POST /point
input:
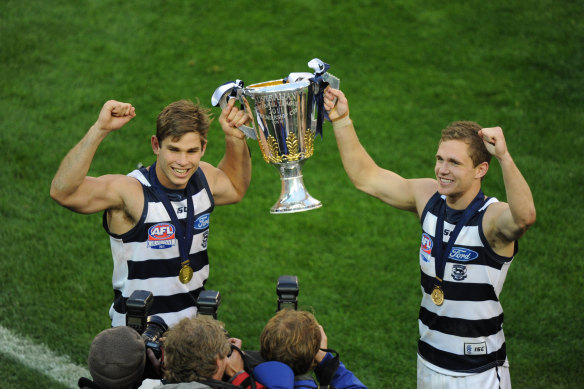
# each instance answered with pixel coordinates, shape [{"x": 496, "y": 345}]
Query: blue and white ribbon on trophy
[
  {"x": 319, "y": 68},
  {"x": 232, "y": 90}
]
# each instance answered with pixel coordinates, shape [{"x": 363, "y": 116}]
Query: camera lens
[{"x": 155, "y": 328}]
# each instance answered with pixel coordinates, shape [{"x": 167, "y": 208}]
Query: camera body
[
  {"x": 208, "y": 302},
  {"x": 150, "y": 327},
  {"x": 287, "y": 290}
]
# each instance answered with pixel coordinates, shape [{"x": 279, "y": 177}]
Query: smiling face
[
  {"x": 177, "y": 159},
  {"x": 456, "y": 174}
]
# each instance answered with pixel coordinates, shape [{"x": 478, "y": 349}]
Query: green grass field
[{"x": 408, "y": 68}]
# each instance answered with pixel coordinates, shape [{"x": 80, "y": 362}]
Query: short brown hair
[
  {"x": 291, "y": 337},
  {"x": 468, "y": 132},
  {"x": 191, "y": 348},
  {"x": 181, "y": 117}
]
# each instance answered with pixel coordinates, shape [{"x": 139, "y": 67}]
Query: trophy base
[{"x": 294, "y": 196}]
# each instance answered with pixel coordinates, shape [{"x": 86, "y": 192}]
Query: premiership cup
[{"x": 286, "y": 115}]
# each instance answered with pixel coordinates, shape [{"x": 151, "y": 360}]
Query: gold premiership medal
[
  {"x": 437, "y": 295},
  {"x": 185, "y": 274}
]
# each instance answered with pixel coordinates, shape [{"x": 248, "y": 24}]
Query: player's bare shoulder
[
  {"x": 207, "y": 168},
  {"x": 125, "y": 216},
  {"x": 212, "y": 174},
  {"x": 497, "y": 228},
  {"x": 492, "y": 215},
  {"x": 423, "y": 189}
]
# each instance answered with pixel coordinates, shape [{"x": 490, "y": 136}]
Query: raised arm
[
  {"x": 507, "y": 222},
  {"x": 71, "y": 187},
  {"x": 366, "y": 175},
  {"x": 230, "y": 179}
]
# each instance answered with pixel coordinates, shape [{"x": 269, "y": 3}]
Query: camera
[
  {"x": 287, "y": 290},
  {"x": 150, "y": 327},
  {"x": 208, "y": 302}
]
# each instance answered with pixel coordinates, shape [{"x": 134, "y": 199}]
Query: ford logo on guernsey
[
  {"x": 161, "y": 236},
  {"x": 202, "y": 222},
  {"x": 462, "y": 254}
]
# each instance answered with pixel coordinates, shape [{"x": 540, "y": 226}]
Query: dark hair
[
  {"x": 291, "y": 337},
  {"x": 468, "y": 132},
  {"x": 181, "y": 117}
]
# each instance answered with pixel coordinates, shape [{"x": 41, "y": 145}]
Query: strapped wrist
[
  {"x": 341, "y": 117},
  {"x": 342, "y": 120}
]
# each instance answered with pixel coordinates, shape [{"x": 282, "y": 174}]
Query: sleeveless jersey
[
  {"x": 147, "y": 257},
  {"x": 465, "y": 333}
]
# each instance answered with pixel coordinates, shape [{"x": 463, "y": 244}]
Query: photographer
[
  {"x": 197, "y": 351},
  {"x": 116, "y": 360},
  {"x": 293, "y": 340}
]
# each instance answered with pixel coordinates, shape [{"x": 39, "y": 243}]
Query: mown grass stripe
[{"x": 39, "y": 357}]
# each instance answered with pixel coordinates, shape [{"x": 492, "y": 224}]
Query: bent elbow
[
  {"x": 366, "y": 188},
  {"x": 530, "y": 219},
  {"x": 238, "y": 198},
  {"x": 527, "y": 220},
  {"x": 61, "y": 196},
  {"x": 229, "y": 199},
  {"x": 360, "y": 183},
  {"x": 359, "y": 186},
  {"x": 57, "y": 194}
]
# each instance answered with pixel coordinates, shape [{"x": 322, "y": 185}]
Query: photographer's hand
[
  {"x": 323, "y": 345},
  {"x": 235, "y": 360},
  {"x": 156, "y": 363}
]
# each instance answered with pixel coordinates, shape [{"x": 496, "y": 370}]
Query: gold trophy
[{"x": 286, "y": 115}]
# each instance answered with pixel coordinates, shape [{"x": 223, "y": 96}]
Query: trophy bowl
[
  {"x": 282, "y": 121},
  {"x": 286, "y": 115}
]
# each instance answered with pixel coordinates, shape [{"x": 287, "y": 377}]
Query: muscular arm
[
  {"x": 71, "y": 187},
  {"x": 365, "y": 174},
  {"x": 507, "y": 222},
  {"x": 230, "y": 179}
]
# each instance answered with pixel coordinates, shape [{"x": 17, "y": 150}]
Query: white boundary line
[{"x": 39, "y": 357}]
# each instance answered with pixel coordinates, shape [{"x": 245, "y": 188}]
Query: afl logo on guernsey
[
  {"x": 426, "y": 248},
  {"x": 161, "y": 236},
  {"x": 202, "y": 222},
  {"x": 426, "y": 243}
]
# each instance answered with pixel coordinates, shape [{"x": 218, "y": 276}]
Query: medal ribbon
[
  {"x": 185, "y": 238},
  {"x": 441, "y": 257}
]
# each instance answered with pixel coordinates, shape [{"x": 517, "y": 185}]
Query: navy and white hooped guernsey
[
  {"x": 464, "y": 335},
  {"x": 147, "y": 257}
]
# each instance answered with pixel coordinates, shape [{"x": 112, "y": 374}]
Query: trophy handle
[{"x": 233, "y": 91}]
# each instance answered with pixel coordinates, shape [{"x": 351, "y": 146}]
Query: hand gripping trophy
[{"x": 286, "y": 116}]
